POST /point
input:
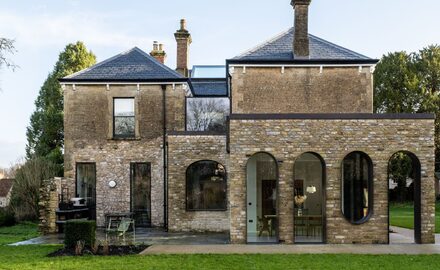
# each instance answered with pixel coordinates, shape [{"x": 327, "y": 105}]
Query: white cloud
[{"x": 47, "y": 29}]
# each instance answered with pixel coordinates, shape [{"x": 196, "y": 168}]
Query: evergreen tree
[{"x": 45, "y": 135}]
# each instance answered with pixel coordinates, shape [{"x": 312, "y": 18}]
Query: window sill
[
  {"x": 208, "y": 210},
  {"x": 124, "y": 139}
]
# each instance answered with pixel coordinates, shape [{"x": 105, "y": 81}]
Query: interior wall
[{"x": 309, "y": 168}]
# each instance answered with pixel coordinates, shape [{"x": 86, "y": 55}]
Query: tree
[
  {"x": 428, "y": 71},
  {"x": 26, "y": 189},
  {"x": 207, "y": 114},
  {"x": 400, "y": 170},
  {"x": 410, "y": 83},
  {"x": 45, "y": 135},
  {"x": 396, "y": 85}
]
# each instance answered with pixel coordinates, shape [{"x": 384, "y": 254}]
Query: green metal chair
[{"x": 121, "y": 229}]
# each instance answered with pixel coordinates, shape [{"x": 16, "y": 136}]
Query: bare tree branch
[
  {"x": 7, "y": 47},
  {"x": 207, "y": 114}
]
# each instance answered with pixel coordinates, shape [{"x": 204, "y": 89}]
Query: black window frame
[
  {"x": 124, "y": 136},
  {"x": 187, "y": 193},
  {"x": 370, "y": 182}
]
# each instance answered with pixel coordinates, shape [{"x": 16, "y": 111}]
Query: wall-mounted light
[
  {"x": 112, "y": 184},
  {"x": 311, "y": 189}
]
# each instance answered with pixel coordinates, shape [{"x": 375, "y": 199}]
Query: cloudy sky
[{"x": 220, "y": 30}]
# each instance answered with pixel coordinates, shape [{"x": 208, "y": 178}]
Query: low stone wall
[
  {"x": 287, "y": 139},
  {"x": 48, "y": 204},
  {"x": 184, "y": 150}
]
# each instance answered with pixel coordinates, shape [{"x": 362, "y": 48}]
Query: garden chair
[{"x": 121, "y": 229}]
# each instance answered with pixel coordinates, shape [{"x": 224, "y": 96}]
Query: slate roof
[
  {"x": 132, "y": 65},
  {"x": 280, "y": 48},
  {"x": 5, "y": 186},
  {"x": 209, "y": 87}
]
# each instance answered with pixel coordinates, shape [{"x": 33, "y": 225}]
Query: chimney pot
[
  {"x": 182, "y": 24},
  {"x": 301, "y": 44},
  {"x": 158, "y": 52}
]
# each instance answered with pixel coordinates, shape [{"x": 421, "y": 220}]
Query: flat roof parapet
[{"x": 333, "y": 116}]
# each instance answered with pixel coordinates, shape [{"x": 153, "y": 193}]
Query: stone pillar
[{"x": 49, "y": 191}]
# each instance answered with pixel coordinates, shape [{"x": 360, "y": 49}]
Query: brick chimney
[
  {"x": 158, "y": 52},
  {"x": 183, "y": 38},
  {"x": 301, "y": 48}
]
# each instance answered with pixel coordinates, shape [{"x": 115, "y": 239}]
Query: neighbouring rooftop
[{"x": 5, "y": 186}]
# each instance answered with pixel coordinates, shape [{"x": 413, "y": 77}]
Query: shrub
[
  {"x": 80, "y": 230},
  {"x": 7, "y": 218},
  {"x": 26, "y": 189}
]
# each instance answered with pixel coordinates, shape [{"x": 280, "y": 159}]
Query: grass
[
  {"x": 17, "y": 233},
  {"x": 34, "y": 257},
  {"x": 402, "y": 215}
]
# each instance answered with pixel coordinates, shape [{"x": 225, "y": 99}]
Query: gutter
[{"x": 165, "y": 158}]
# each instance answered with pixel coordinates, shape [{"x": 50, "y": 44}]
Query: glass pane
[
  {"x": 86, "y": 185},
  {"x": 124, "y": 106},
  {"x": 308, "y": 200},
  {"x": 208, "y": 72},
  {"x": 262, "y": 219},
  {"x": 355, "y": 199},
  {"x": 141, "y": 193},
  {"x": 125, "y": 126},
  {"x": 206, "y": 186},
  {"x": 207, "y": 114}
]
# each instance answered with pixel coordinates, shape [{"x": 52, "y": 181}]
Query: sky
[{"x": 220, "y": 30}]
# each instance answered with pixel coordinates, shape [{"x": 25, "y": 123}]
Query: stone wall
[
  {"x": 302, "y": 90},
  {"x": 88, "y": 125},
  {"x": 287, "y": 139},
  {"x": 48, "y": 204},
  {"x": 184, "y": 150}
]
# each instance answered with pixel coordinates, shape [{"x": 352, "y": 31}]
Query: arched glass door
[
  {"x": 309, "y": 199},
  {"x": 262, "y": 213}
]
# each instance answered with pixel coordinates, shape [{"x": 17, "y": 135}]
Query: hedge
[
  {"x": 7, "y": 218},
  {"x": 79, "y": 230}
]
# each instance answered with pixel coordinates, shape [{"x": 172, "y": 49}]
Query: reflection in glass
[
  {"x": 124, "y": 118},
  {"x": 309, "y": 199},
  {"x": 141, "y": 193},
  {"x": 357, "y": 175},
  {"x": 262, "y": 215},
  {"x": 86, "y": 185},
  {"x": 206, "y": 186}
]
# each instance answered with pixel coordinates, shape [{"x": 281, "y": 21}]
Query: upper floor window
[
  {"x": 357, "y": 187},
  {"x": 207, "y": 114},
  {"x": 123, "y": 118}
]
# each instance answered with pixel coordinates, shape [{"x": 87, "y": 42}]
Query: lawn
[
  {"x": 402, "y": 215},
  {"x": 34, "y": 257},
  {"x": 18, "y": 233}
]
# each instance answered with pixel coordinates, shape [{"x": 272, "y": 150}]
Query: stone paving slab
[{"x": 408, "y": 249}]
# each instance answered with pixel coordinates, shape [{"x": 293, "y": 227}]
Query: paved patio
[
  {"x": 144, "y": 236},
  {"x": 192, "y": 243}
]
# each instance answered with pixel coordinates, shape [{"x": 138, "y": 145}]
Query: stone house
[
  {"x": 302, "y": 159},
  {"x": 5, "y": 191}
]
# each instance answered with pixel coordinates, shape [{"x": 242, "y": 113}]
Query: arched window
[
  {"x": 206, "y": 186},
  {"x": 357, "y": 187}
]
